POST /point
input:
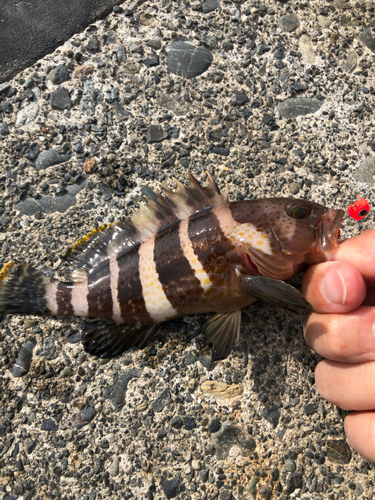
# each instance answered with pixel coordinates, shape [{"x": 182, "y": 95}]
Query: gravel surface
[{"x": 273, "y": 98}]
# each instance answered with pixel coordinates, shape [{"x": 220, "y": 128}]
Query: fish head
[{"x": 284, "y": 235}]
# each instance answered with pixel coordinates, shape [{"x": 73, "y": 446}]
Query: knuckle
[{"x": 339, "y": 345}]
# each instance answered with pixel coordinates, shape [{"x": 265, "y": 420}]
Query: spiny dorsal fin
[{"x": 99, "y": 245}]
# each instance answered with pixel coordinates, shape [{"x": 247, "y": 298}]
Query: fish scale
[{"x": 189, "y": 252}]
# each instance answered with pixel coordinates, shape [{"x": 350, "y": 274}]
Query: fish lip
[{"x": 328, "y": 230}]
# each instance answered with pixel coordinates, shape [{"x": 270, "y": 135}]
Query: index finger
[{"x": 360, "y": 252}]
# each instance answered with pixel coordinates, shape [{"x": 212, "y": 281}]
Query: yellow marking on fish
[
  {"x": 5, "y": 270},
  {"x": 191, "y": 257},
  {"x": 245, "y": 232},
  {"x": 84, "y": 239}
]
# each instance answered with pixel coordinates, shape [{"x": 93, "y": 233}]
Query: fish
[{"x": 187, "y": 251}]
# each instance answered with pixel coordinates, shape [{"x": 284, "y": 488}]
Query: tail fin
[{"x": 23, "y": 289}]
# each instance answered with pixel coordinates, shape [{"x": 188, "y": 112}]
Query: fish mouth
[{"x": 328, "y": 231}]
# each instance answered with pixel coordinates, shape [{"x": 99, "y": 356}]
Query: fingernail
[{"x": 333, "y": 287}]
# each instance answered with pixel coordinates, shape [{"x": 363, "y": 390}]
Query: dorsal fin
[{"x": 100, "y": 244}]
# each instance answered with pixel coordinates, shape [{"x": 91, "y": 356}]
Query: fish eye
[{"x": 297, "y": 209}]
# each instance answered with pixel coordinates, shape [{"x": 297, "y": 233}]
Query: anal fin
[
  {"x": 110, "y": 340},
  {"x": 222, "y": 331}
]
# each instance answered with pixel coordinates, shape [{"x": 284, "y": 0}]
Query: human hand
[{"x": 342, "y": 330}]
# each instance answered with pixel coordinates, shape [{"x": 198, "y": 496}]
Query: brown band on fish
[
  {"x": 210, "y": 244},
  {"x": 129, "y": 289},
  {"x": 99, "y": 296},
  {"x": 64, "y": 300},
  {"x": 176, "y": 274}
]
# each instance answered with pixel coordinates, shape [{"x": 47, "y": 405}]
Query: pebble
[
  {"x": 187, "y": 60},
  {"x": 114, "y": 467},
  {"x": 116, "y": 392},
  {"x": 203, "y": 475},
  {"x": 29, "y": 445},
  {"x": 221, "y": 390},
  {"x": 89, "y": 165},
  {"x": 4, "y": 130},
  {"x": 49, "y": 425},
  {"x": 50, "y": 157},
  {"x": 293, "y": 188},
  {"x": 289, "y": 23},
  {"x": 338, "y": 451},
  {"x": 28, "y": 114},
  {"x": 324, "y": 21},
  {"x": 24, "y": 358},
  {"x": 163, "y": 400},
  {"x": 155, "y": 133},
  {"x": 32, "y": 151},
  {"x": 60, "y": 99},
  {"x": 299, "y": 106},
  {"x": 251, "y": 487},
  {"x": 272, "y": 415},
  {"x": 307, "y": 49},
  {"x": 217, "y": 150},
  {"x": 294, "y": 482},
  {"x": 228, "y": 436},
  {"x": 209, "y": 6},
  {"x": 214, "y": 426},
  {"x": 350, "y": 63},
  {"x": 59, "y": 75},
  {"x": 177, "y": 422},
  {"x": 84, "y": 72},
  {"x": 172, "y": 487},
  {"x": 86, "y": 416}
]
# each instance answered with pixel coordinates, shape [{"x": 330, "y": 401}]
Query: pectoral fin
[
  {"x": 275, "y": 291},
  {"x": 222, "y": 331},
  {"x": 110, "y": 340}
]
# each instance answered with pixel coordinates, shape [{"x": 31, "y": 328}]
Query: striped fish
[{"x": 190, "y": 251}]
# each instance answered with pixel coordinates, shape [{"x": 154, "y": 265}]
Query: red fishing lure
[{"x": 359, "y": 209}]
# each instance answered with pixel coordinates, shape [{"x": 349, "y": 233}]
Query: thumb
[{"x": 334, "y": 287}]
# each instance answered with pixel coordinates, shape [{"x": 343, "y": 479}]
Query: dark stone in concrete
[
  {"x": 289, "y": 22},
  {"x": 152, "y": 61},
  {"x": 50, "y": 204},
  {"x": 59, "y": 75},
  {"x": 60, "y": 99},
  {"x": 172, "y": 487},
  {"x": 294, "y": 482},
  {"x": 50, "y": 157},
  {"x": 72, "y": 336},
  {"x": 338, "y": 451},
  {"x": 155, "y": 133},
  {"x": 272, "y": 415},
  {"x": 33, "y": 29},
  {"x": 217, "y": 150},
  {"x": 4, "y": 130},
  {"x": 23, "y": 361},
  {"x": 209, "y": 6},
  {"x": 87, "y": 414},
  {"x": 177, "y": 422},
  {"x": 187, "y": 60},
  {"x": 227, "y": 437},
  {"x": 162, "y": 401},
  {"x": 368, "y": 39},
  {"x": 32, "y": 151},
  {"x": 241, "y": 98},
  {"x": 116, "y": 392},
  {"x": 49, "y": 425},
  {"x": 300, "y": 106}
]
